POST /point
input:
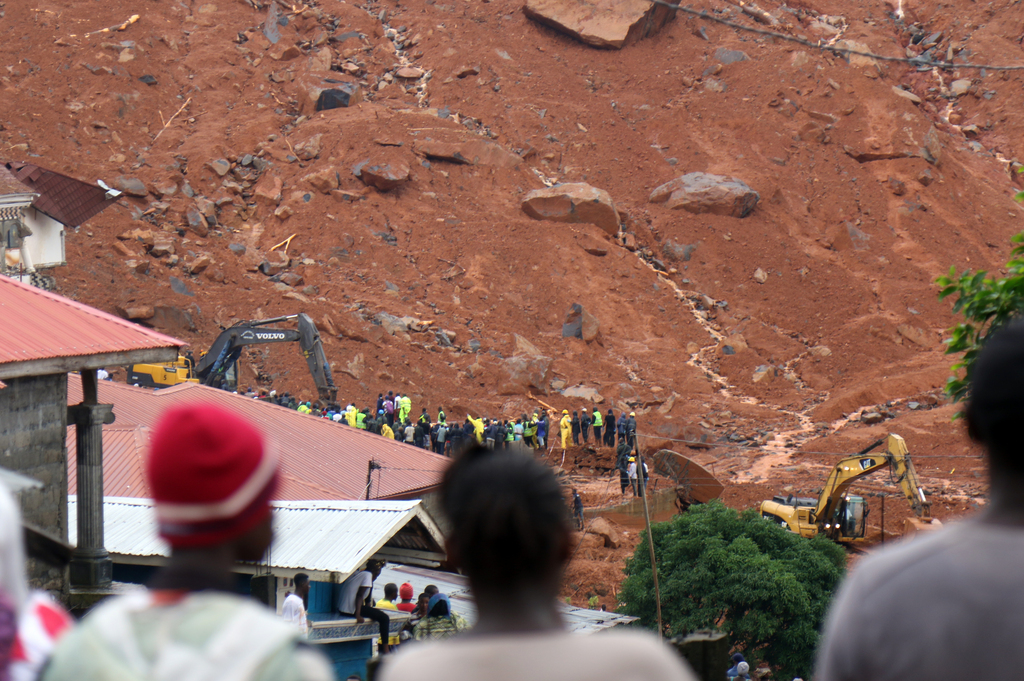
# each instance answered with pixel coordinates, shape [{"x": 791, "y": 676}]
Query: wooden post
[
  {"x": 641, "y": 480},
  {"x": 883, "y": 518}
]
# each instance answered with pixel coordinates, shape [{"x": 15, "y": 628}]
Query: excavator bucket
[
  {"x": 694, "y": 483},
  {"x": 915, "y": 525}
]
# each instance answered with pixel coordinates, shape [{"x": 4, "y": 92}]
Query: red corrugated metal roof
[
  {"x": 124, "y": 449},
  {"x": 63, "y": 198},
  {"x": 320, "y": 459},
  {"x": 36, "y": 324}
]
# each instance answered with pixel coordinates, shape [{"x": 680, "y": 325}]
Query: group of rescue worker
[{"x": 391, "y": 418}]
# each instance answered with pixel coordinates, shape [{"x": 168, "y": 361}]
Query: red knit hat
[
  {"x": 210, "y": 475},
  {"x": 405, "y": 591}
]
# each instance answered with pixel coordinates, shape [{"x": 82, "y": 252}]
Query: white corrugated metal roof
[
  {"x": 312, "y": 536},
  {"x": 578, "y": 620}
]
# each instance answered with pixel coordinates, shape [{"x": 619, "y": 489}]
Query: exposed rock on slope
[
  {"x": 602, "y": 23},
  {"x": 706, "y": 193},
  {"x": 574, "y": 203}
]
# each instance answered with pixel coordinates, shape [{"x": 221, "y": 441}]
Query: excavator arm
[
  {"x": 316, "y": 358},
  {"x": 906, "y": 477},
  {"x": 852, "y": 468},
  {"x": 226, "y": 349}
]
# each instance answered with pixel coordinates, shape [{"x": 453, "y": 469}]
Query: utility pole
[
  {"x": 371, "y": 466},
  {"x": 642, "y": 483}
]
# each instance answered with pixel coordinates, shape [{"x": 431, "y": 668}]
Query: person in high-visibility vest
[{"x": 598, "y": 423}]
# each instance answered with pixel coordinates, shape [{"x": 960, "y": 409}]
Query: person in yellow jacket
[
  {"x": 478, "y": 428},
  {"x": 350, "y": 416},
  {"x": 565, "y": 427},
  {"x": 405, "y": 407},
  {"x": 386, "y": 431}
]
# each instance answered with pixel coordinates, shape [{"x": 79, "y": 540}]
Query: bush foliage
[
  {"x": 765, "y": 587},
  {"x": 986, "y": 303}
]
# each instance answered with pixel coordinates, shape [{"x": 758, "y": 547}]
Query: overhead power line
[
  {"x": 794, "y": 450},
  {"x": 842, "y": 51}
]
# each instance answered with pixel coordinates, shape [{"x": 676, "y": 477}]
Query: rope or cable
[
  {"x": 762, "y": 448},
  {"x": 914, "y": 61}
]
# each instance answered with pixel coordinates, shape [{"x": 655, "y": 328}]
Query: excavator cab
[{"x": 850, "y": 519}]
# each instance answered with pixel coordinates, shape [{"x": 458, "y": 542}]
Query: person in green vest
[
  {"x": 530, "y": 432},
  {"x": 510, "y": 434},
  {"x": 361, "y": 420},
  {"x": 597, "y": 423},
  {"x": 405, "y": 404}
]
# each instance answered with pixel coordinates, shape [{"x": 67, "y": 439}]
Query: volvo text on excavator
[
  {"x": 218, "y": 367},
  {"x": 843, "y": 517}
]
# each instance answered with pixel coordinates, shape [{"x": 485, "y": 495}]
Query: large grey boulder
[{"x": 707, "y": 193}]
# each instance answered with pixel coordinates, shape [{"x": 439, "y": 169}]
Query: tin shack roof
[
  {"x": 44, "y": 333},
  {"x": 325, "y": 539},
  {"x": 456, "y": 586},
  {"x": 320, "y": 459}
]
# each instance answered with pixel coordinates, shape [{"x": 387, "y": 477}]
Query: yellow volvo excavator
[
  {"x": 843, "y": 517},
  {"x": 218, "y": 367}
]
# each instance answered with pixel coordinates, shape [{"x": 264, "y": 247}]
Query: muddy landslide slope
[{"x": 821, "y": 302}]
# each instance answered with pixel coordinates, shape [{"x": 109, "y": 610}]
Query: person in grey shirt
[{"x": 948, "y": 605}]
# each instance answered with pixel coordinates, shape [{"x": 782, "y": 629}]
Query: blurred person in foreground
[
  {"x": 212, "y": 479},
  {"x": 31, "y": 622},
  {"x": 510, "y": 533},
  {"x": 948, "y": 605}
]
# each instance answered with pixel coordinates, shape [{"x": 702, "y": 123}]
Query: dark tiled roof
[
  {"x": 9, "y": 184},
  {"x": 63, "y": 198}
]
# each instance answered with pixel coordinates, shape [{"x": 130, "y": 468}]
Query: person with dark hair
[
  {"x": 420, "y": 611},
  {"x": 293, "y": 610},
  {"x": 354, "y": 600},
  {"x": 577, "y": 509},
  {"x": 510, "y": 534},
  {"x": 948, "y": 604},
  {"x": 585, "y": 426},
  {"x": 622, "y": 465},
  {"x": 390, "y": 596},
  {"x": 575, "y": 424},
  {"x": 736, "y": 671},
  {"x": 609, "y": 429},
  {"x": 211, "y": 478}
]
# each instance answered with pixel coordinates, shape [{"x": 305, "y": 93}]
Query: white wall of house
[{"x": 46, "y": 245}]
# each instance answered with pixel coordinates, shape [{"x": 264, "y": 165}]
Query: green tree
[
  {"x": 765, "y": 587},
  {"x": 986, "y": 304}
]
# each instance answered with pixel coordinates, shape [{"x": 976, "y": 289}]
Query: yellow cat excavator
[{"x": 842, "y": 517}]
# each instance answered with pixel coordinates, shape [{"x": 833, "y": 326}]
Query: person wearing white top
[{"x": 294, "y": 609}]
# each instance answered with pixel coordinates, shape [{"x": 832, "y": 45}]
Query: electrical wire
[
  {"x": 714, "y": 445},
  {"x": 842, "y": 51}
]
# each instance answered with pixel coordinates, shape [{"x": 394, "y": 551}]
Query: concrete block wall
[{"x": 33, "y": 427}]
